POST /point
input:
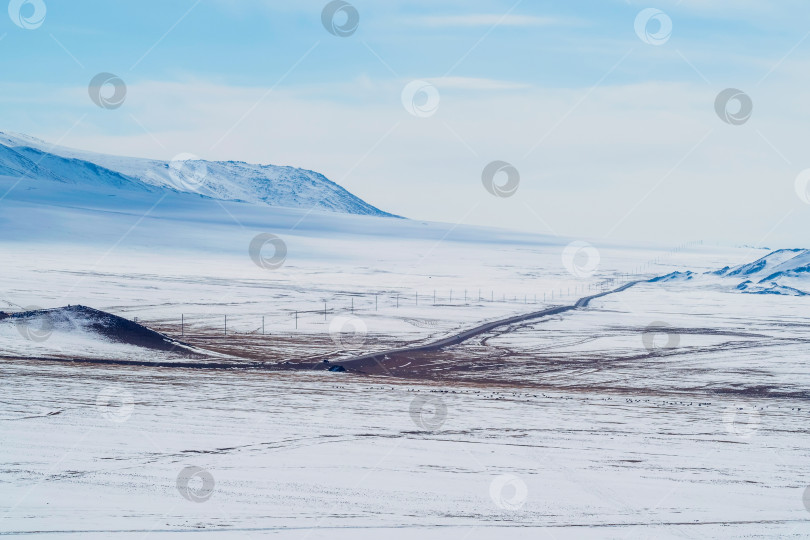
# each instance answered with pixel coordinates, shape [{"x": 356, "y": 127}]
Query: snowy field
[
  {"x": 99, "y": 454},
  {"x": 689, "y": 337},
  {"x": 579, "y": 426},
  {"x": 676, "y": 408}
]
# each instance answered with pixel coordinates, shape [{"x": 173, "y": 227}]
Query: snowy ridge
[
  {"x": 784, "y": 271},
  {"x": 34, "y": 163},
  {"x": 780, "y": 272},
  {"x": 674, "y": 276},
  {"x": 265, "y": 185},
  {"x": 768, "y": 263}
]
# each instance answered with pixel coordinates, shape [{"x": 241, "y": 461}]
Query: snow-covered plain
[
  {"x": 672, "y": 409},
  {"x": 302, "y": 456}
]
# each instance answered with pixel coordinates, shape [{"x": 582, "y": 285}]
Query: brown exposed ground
[{"x": 477, "y": 356}]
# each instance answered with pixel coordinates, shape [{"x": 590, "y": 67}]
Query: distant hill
[
  {"x": 266, "y": 185},
  {"x": 784, "y": 271}
]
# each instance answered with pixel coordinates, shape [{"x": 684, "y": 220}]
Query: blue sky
[
  {"x": 613, "y": 137},
  {"x": 253, "y": 42}
]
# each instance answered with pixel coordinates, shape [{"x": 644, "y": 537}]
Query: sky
[{"x": 604, "y": 111}]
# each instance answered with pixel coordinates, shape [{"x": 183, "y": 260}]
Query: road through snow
[{"x": 366, "y": 359}]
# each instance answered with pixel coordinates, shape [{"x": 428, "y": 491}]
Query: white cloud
[
  {"x": 473, "y": 83},
  {"x": 481, "y": 19}
]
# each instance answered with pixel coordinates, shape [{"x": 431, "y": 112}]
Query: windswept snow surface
[{"x": 98, "y": 453}]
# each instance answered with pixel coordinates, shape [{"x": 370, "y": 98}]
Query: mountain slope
[
  {"x": 265, "y": 185},
  {"x": 765, "y": 264},
  {"x": 33, "y": 163},
  {"x": 784, "y": 271}
]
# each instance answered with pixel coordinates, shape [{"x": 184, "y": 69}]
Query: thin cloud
[
  {"x": 482, "y": 19},
  {"x": 473, "y": 83}
]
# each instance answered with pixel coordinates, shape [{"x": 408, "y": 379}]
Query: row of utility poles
[
  {"x": 600, "y": 286},
  {"x": 526, "y": 300}
]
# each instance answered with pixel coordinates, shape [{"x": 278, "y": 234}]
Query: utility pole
[
  {"x": 182, "y": 325},
  {"x": 262, "y": 324},
  {"x": 226, "y": 325}
]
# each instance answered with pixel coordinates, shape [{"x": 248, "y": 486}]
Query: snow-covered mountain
[
  {"x": 266, "y": 185},
  {"x": 784, "y": 271}
]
